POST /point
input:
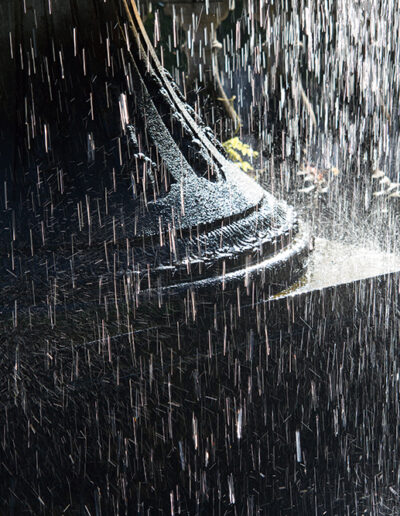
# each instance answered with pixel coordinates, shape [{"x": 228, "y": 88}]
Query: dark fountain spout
[{"x": 109, "y": 174}]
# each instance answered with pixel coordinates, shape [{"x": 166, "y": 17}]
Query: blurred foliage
[{"x": 238, "y": 152}]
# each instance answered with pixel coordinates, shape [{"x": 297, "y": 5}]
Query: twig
[{"x": 223, "y": 96}]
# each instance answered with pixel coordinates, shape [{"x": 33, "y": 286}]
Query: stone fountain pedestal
[{"x": 111, "y": 182}]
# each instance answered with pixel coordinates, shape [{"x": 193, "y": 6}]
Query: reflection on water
[{"x": 337, "y": 263}]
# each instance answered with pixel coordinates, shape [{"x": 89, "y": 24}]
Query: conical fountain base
[{"x": 114, "y": 189}]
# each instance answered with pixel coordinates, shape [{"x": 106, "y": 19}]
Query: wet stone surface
[{"x": 104, "y": 197}]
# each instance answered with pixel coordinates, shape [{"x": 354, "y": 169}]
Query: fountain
[
  {"x": 162, "y": 349},
  {"x": 106, "y": 162}
]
